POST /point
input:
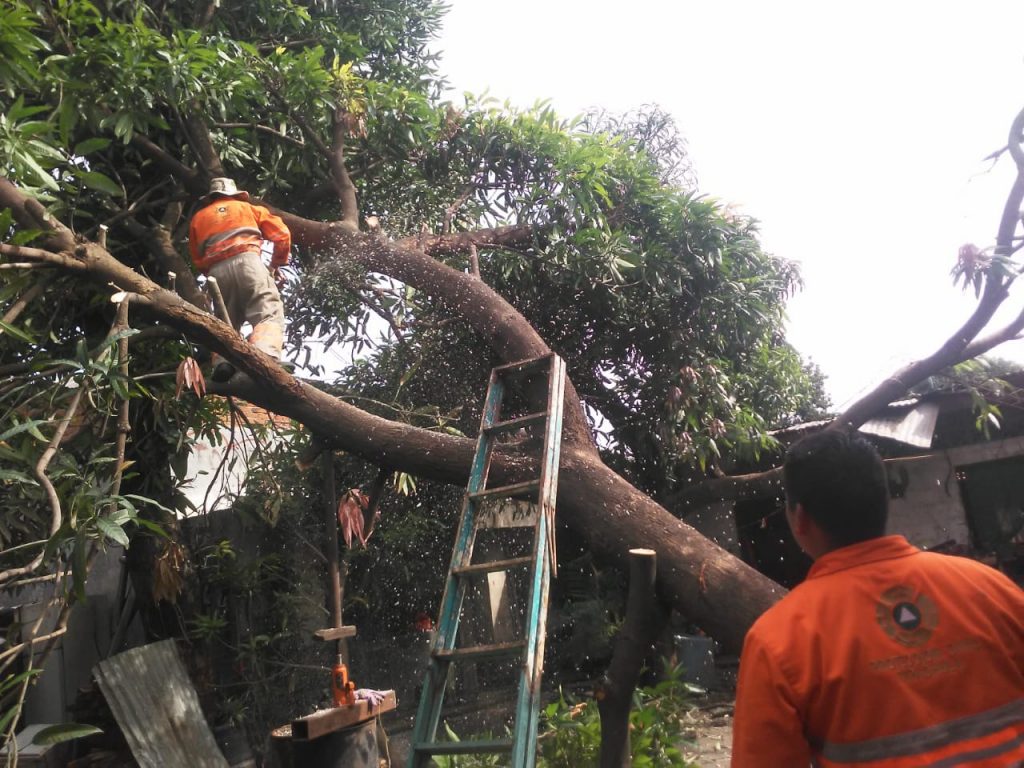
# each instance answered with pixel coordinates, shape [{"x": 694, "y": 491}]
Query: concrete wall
[
  {"x": 931, "y": 511},
  {"x": 87, "y": 640}
]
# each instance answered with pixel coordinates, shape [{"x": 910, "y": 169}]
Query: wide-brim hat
[{"x": 224, "y": 187}]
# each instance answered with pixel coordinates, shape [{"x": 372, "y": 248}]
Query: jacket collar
[{"x": 862, "y": 553}]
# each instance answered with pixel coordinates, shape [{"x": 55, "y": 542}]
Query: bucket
[
  {"x": 354, "y": 747},
  {"x": 696, "y": 654}
]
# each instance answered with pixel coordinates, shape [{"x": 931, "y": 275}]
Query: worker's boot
[{"x": 222, "y": 369}]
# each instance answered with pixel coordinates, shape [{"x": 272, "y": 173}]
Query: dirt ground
[{"x": 711, "y": 735}]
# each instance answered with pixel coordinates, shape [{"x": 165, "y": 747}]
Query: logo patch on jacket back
[{"x": 907, "y": 617}]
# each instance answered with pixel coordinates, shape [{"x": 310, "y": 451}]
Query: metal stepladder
[{"x": 540, "y": 565}]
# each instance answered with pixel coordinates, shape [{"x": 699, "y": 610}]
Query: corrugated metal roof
[
  {"x": 908, "y": 421},
  {"x": 155, "y": 704},
  {"x": 912, "y": 426}
]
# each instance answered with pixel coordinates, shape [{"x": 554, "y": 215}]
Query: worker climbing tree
[{"x": 225, "y": 240}]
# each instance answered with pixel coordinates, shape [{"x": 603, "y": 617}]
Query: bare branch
[
  {"x": 25, "y": 265},
  {"x": 24, "y": 252},
  {"x": 200, "y": 140},
  {"x": 497, "y": 237},
  {"x": 33, "y": 293},
  {"x": 190, "y": 177},
  {"x": 30, "y": 214},
  {"x": 956, "y": 348},
  {"x": 346, "y": 189},
  {"x": 266, "y": 130},
  {"x": 450, "y": 211},
  {"x": 51, "y": 493}
]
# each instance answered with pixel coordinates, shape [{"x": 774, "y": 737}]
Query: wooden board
[
  {"x": 330, "y": 720},
  {"x": 155, "y": 703},
  {"x": 335, "y": 633}
]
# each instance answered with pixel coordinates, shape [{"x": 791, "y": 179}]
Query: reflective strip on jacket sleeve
[{"x": 990, "y": 739}]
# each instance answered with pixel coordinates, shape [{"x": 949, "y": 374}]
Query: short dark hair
[{"x": 839, "y": 479}]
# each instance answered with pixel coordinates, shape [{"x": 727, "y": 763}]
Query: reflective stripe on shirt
[
  {"x": 934, "y": 737},
  {"x": 229, "y": 233}
]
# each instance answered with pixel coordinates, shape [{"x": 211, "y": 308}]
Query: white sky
[{"x": 853, "y": 131}]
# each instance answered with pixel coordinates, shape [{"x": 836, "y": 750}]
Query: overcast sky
[{"x": 854, "y": 132}]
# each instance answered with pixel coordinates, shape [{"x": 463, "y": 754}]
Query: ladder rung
[
  {"x": 542, "y": 363},
  {"x": 491, "y": 567},
  {"x": 480, "y": 651},
  {"x": 515, "y": 490},
  {"x": 513, "y": 424},
  {"x": 476, "y": 747}
]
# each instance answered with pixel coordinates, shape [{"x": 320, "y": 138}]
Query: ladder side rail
[
  {"x": 548, "y": 493},
  {"x": 428, "y": 714},
  {"x": 527, "y": 699},
  {"x": 533, "y": 714},
  {"x": 524, "y": 749}
]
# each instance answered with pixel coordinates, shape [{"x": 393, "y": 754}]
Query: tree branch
[
  {"x": 33, "y": 293},
  {"x": 496, "y": 237},
  {"x": 503, "y": 328},
  {"x": 346, "y": 189},
  {"x": 199, "y": 138},
  {"x": 266, "y": 130},
  {"x": 51, "y": 493},
  {"x": 191, "y": 178}
]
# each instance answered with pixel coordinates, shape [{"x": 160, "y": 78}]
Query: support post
[{"x": 646, "y": 616}]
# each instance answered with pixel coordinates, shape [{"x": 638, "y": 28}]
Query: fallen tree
[{"x": 475, "y": 203}]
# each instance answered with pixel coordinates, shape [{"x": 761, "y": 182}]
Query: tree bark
[{"x": 646, "y": 616}]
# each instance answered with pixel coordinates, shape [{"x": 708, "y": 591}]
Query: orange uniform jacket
[
  {"x": 228, "y": 226},
  {"x": 886, "y": 657}
]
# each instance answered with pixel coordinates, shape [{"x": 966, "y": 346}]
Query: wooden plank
[
  {"x": 335, "y": 633},
  {"x": 494, "y": 565},
  {"x": 330, "y": 720},
  {"x": 533, "y": 365},
  {"x": 155, "y": 703},
  {"x": 528, "y": 488},
  {"x": 513, "y": 424}
]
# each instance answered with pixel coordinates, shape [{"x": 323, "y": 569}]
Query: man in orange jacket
[
  {"x": 886, "y": 656},
  {"x": 225, "y": 238}
]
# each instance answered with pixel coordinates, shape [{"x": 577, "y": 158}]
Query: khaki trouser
[{"x": 250, "y": 295}]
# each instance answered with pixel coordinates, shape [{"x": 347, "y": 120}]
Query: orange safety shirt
[
  {"x": 229, "y": 226},
  {"x": 885, "y": 657}
]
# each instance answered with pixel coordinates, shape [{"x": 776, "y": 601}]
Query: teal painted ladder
[{"x": 540, "y": 565}]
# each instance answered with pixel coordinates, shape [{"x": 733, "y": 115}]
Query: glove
[{"x": 372, "y": 696}]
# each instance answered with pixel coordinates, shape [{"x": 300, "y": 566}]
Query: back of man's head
[{"x": 839, "y": 479}]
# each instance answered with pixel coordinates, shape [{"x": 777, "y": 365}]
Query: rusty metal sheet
[{"x": 155, "y": 703}]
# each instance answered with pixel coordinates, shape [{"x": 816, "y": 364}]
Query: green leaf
[
  {"x": 17, "y": 333},
  {"x": 88, "y": 146},
  {"x": 112, "y": 530},
  {"x": 31, "y": 426},
  {"x": 13, "y": 476},
  {"x": 55, "y": 734},
  {"x": 99, "y": 182}
]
